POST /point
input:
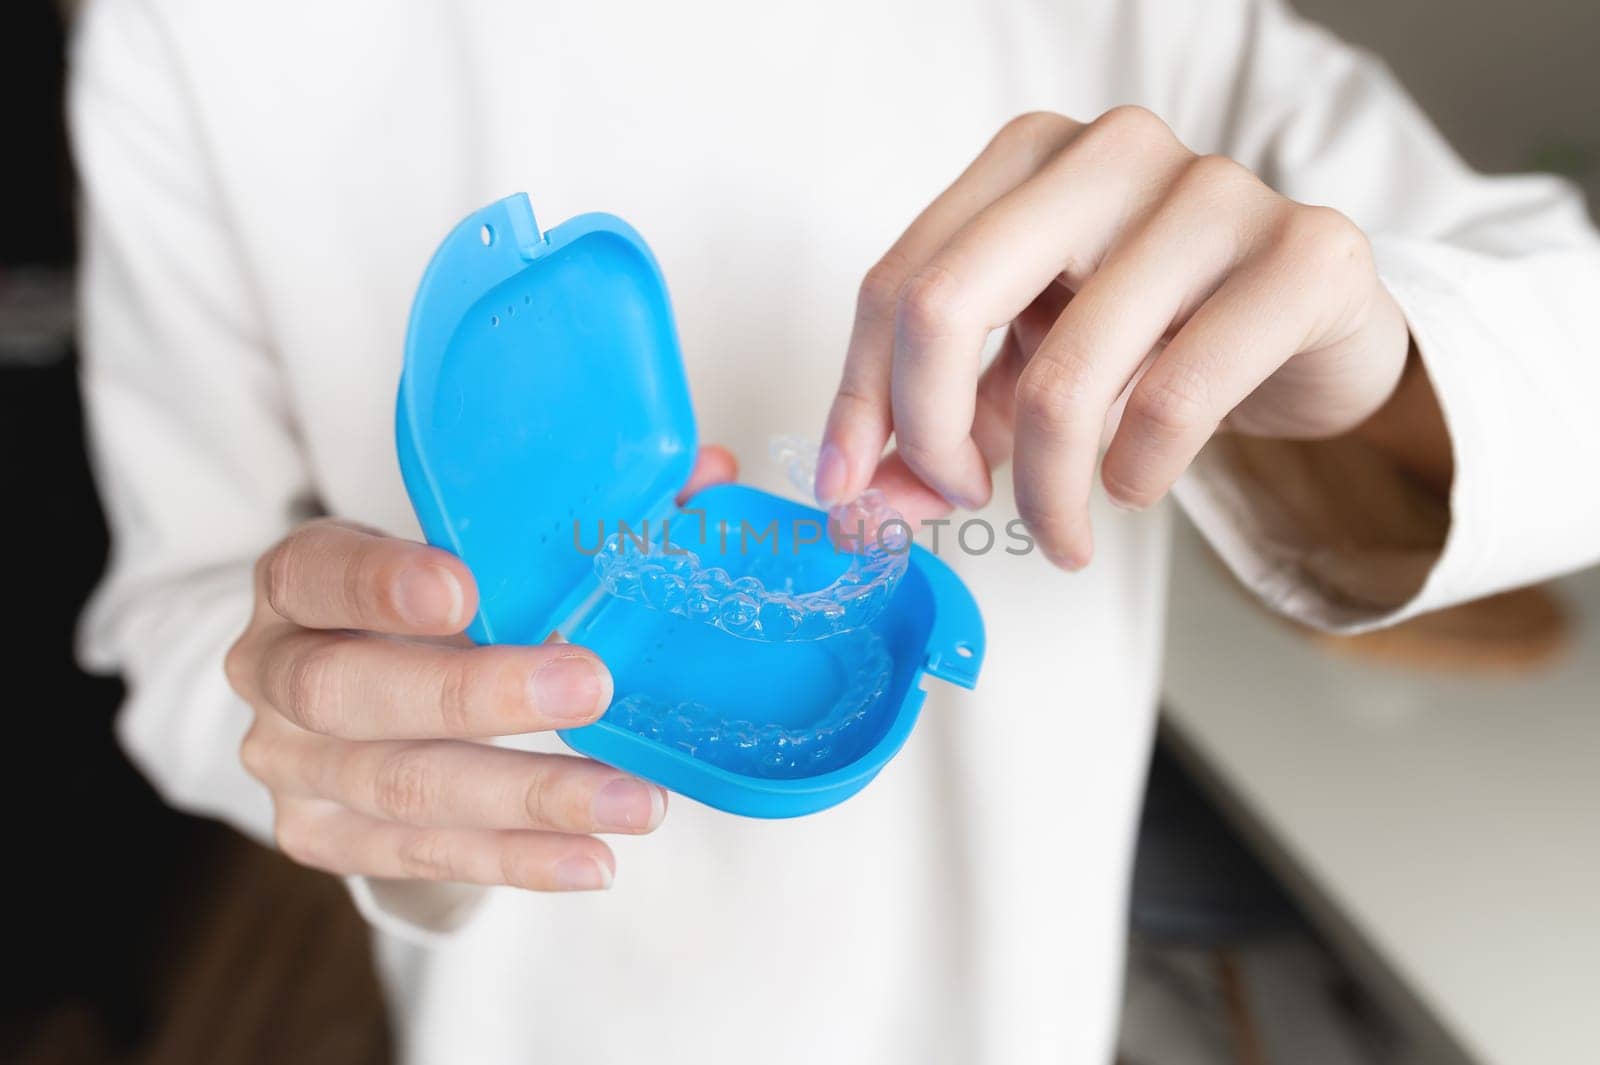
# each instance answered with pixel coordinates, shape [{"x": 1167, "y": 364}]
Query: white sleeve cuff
[
  {"x": 422, "y": 912},
  {"x": 1504, "y": 372}
]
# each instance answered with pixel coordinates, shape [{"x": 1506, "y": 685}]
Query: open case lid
[{"x": 542, "y": 387}]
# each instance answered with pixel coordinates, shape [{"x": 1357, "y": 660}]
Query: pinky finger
[{"x": 337, "y": 840}]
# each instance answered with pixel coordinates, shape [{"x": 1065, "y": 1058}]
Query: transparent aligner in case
[
  {"x": 760, "y": 600},
  {"x": 766, "y": 749}
]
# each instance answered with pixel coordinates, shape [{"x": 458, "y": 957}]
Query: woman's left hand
[{"x": 1094, "y": 244}]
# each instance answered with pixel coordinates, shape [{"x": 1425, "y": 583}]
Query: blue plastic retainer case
[{"x": 543, "y": 393}]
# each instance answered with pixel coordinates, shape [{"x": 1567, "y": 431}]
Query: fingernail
[
  {"x": 1071, "y": 561},
  {"x": 832, "y": 472},
  {"x": 572, "y": 688},
  {"x": 628, "y": 805},
  {"x": 581, "y": 874},
  {"x": 969, "y": 500},
  {"x": 428, "y": 596},
  {"x": 1126, "y": 508}
]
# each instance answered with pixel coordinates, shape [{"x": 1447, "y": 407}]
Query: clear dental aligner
[
  {"x": 866, "y": 529},
  {"x": 764, "y": 749}
]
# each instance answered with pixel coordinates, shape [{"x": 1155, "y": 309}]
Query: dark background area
[
  {"x": 111, "y": 856},
  {"x": 135, "y": 933}
]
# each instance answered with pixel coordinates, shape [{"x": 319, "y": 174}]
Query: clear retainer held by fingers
[
  {"x": 758, "y": 594},
  {"x": 544, "y": 394}
]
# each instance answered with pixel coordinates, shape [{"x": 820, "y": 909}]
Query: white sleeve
[
  {"x": 1498, "y": 278},
  {"x": 191, "y": 442},
  {"x": 192, "y": 437}
]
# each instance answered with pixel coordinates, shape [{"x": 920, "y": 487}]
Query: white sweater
[{"x": 264, "y": 183}]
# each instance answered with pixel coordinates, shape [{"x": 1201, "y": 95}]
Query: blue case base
[{"x": 930, "y": 627}]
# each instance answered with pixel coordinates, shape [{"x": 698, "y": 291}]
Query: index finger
[
  {"x": 334, "y": 575},
  {"x": 861, "y": 420}
]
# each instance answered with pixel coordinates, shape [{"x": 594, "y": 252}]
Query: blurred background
[{"x": 1387, "y": 852}]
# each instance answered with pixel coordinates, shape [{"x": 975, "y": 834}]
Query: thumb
[{"x": 714, "y": 465}]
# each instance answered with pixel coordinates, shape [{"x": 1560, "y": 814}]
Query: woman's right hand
[{"x": 366, "y": 720}]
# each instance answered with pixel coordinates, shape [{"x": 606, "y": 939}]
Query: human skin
[
  {"x": 1151, "y": 295},
  {"x": 371, "y": 712}
]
